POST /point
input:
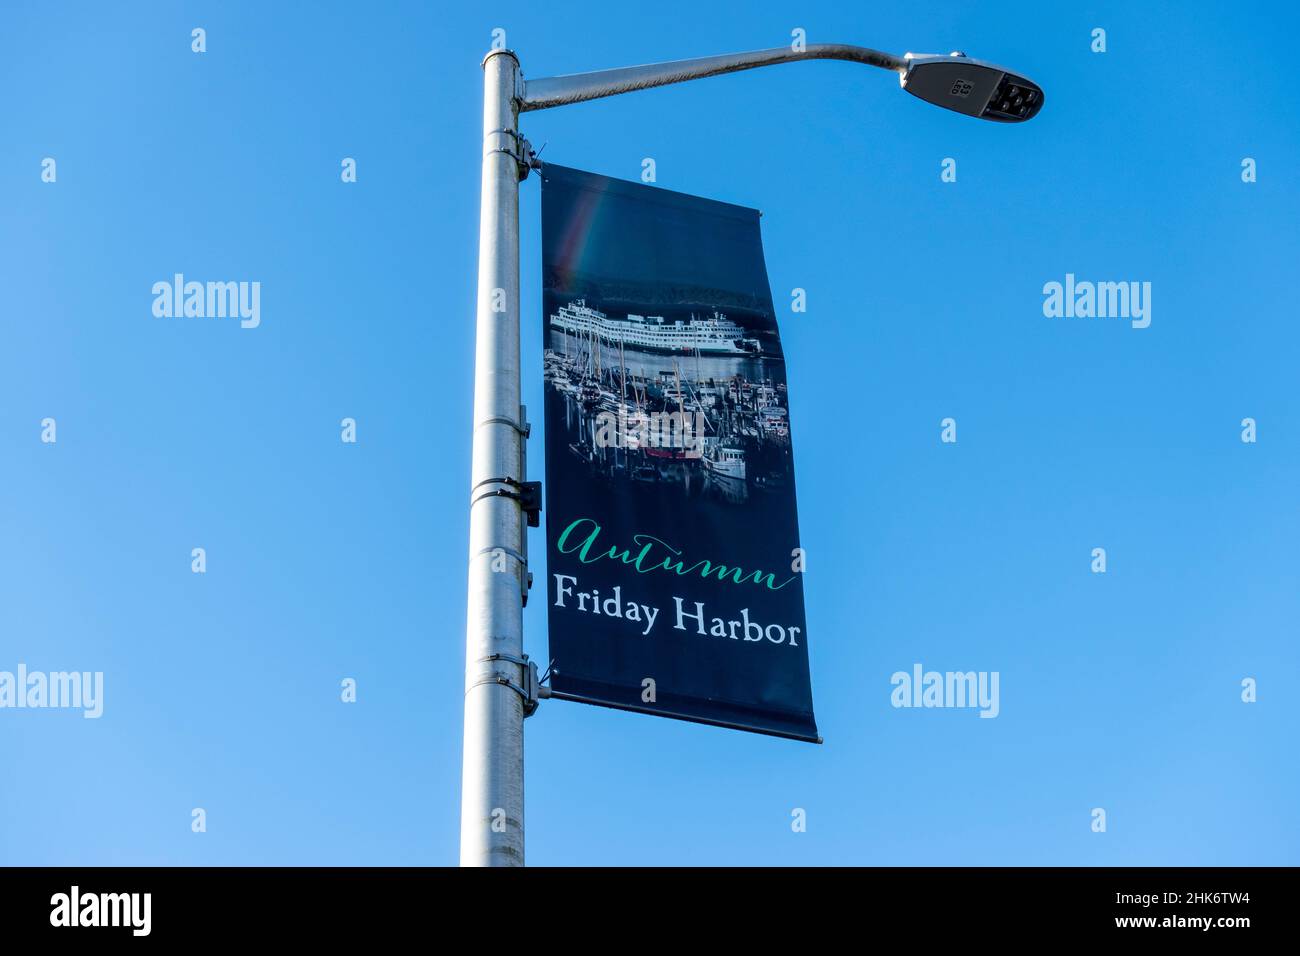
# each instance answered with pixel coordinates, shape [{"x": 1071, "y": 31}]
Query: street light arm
[{"x": 577, "y": 87}]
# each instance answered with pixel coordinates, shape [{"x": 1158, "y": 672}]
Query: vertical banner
[{"x": 674, "y": 580}]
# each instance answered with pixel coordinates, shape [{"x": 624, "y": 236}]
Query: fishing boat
[
  {"x": 774, "y": 423},
  {"x": 725, "y": 461}
]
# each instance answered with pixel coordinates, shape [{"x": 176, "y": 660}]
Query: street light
[
  {"x": 954, "y": 82},
  {"x": 973, "y": 87},
  {"x": 500, "y": 683}
]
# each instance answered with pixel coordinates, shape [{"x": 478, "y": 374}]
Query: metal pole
[{"x": 492, "y": 786}]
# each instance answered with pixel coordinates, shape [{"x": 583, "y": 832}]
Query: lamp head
[{"x": 973, "y": 87}]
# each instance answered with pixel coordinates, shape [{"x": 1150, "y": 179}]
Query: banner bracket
[
  {"x": 526, "y": 429},
  {"x": 529, "y": 496},
  {"x": 521, "y": 152},
  {"x": 533, "y": 689}
]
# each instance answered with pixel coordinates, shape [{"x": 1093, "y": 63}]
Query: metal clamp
[
  {"x": 525, "y": 579},
  {"x": 526, "y": 429},
  {"x": 494, "y": 548},
  {"x": 533, "y": 690},
  {"x": 522, "y": 152},
  {"x": 529, "y": 496}
]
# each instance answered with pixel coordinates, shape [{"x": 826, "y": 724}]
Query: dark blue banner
[{"x": 674, "y": 570}]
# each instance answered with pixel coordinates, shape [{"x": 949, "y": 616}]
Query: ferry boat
[{"x": 714, "y": 335}]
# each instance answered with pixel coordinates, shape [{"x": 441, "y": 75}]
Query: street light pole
[
  {"x": 499, "y": 688},
  {"x": 492, "y": 781}
]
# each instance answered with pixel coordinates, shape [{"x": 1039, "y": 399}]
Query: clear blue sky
[{"x": 328, "y": 560}]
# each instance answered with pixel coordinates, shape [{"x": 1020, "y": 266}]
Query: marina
[{"x": 693, "y": 402}]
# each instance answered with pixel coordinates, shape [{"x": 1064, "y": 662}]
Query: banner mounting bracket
[
  {"x": 526, "y": 429},
  {"x": 529, "y": 496},
  {"x": 521, "y": 152},
  {"x": 533, "y": 689}
]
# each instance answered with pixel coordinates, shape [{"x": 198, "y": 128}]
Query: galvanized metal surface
[
  {"x": 492, "y": 786},
  {"x": 576, "y": 87}
]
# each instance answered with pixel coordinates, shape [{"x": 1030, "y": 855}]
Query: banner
[{"x": 674, "y": 577}]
